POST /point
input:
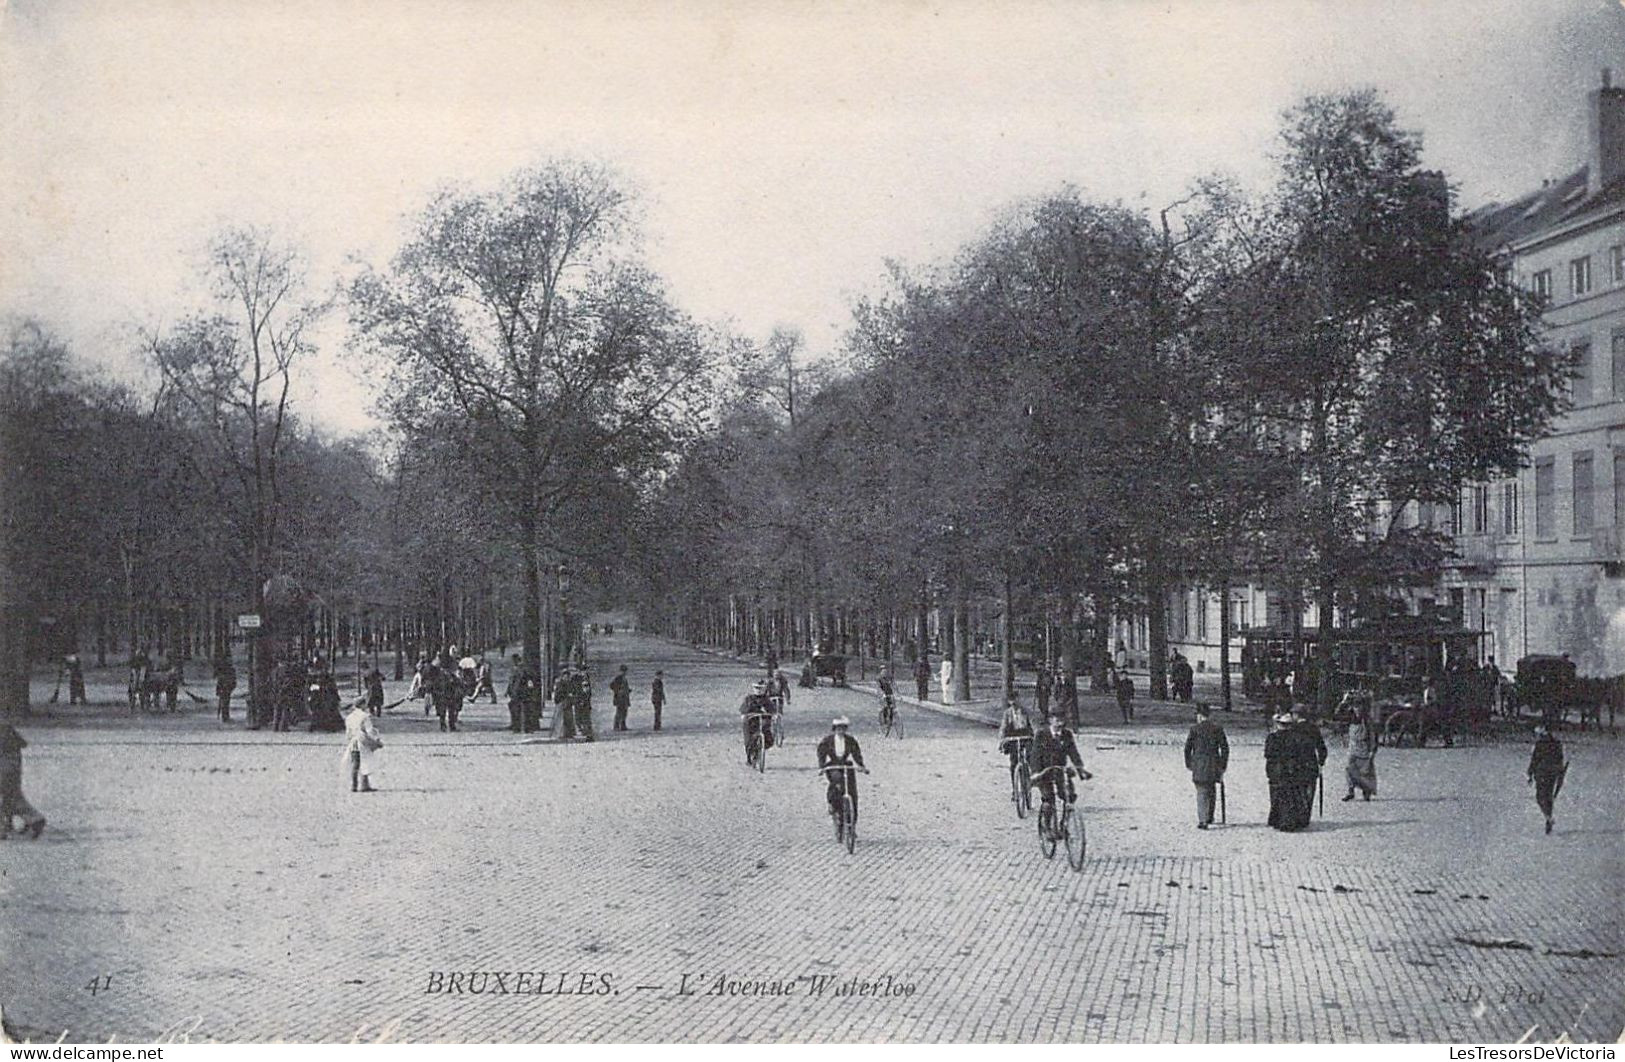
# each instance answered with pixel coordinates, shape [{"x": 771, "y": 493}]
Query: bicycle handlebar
[{"x": 843, "y": 767}]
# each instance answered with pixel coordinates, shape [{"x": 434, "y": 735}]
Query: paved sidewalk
[{"x": 225, "y": 885}]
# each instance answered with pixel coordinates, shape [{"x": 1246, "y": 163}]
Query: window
[
  {"x": 1545, "y": 497},
  {"x": 1201, "y": 617},
  {"x": 1455, "y": 516},
  {"x": 1619, "y": 490},
  {"x": 1616, "y": 264},
  {"x": 1509, "y": 507},
  {"x": 1580, "y": 384},
  {"x": 1618, "y": 367},
  {"x": 1580, "y": 276},
  {"x": 1582, "y": 492},
  {"x": 1481, "y": 509},
  {"x": 1543, "y": 283}
]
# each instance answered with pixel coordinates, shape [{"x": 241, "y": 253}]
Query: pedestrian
[
  {"x": 326, "y": 707},
  {"x": 374, "y": 680},
  {"x": 772, "y": 660},
  {"x": 225, "y": 681},
  {"x": 518, "y": 682},
  {"x": 1207, "y": 754},
  {"x": 140, "y": 679},
  {"x": 783, "y": 689},
  {"x": 12, "y": 802},
  {"x": 583, "y": 694},
  {"x": 172, "y": 681},
  {"x": 1362, "y": 742},
  {"x": 483, "y": 680},
  {"x": 1547, "y": 769},
  {"x": 1184, "y": 679},
  {"x": 620, "y": 696},
  {"x": 361, "y": 745},
  {"x": 564, "y": 702},
  {"x": 446, "y": 692},
  {"x": 946, "y": 672},
  {"x": 419, "y": 678},
  {"x": 1125, "y": 697},
  {"x": 1293, "y": 756},
  {"x": 76, "y": 681},
  {"x": 922, "y": 678},
  {"x": 1041, "y": 692},
  {"x": 657, "y": 693}
]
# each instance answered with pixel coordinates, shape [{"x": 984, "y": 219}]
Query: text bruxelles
[{"x": 519, "y": 983}]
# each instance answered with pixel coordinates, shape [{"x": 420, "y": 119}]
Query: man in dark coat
[
  {"x": 1041, "y": 692},
  {"x": 1124, "y": 688},
  {"x": 225, "y": 682},
  {"x": 564, "y": 702},
  {"x": 657, "y": 694},
  {"x": 583, "y": 702},
  {"x": 1207, "y": 754},
  {"x": 375, "y": 692},
  {"x": 620, "y": 692},
  {"x": 447, "y": 692},
  {"x": 12, "y": 802},
  {"x": 521, "y": 686},
  {"x": 1546, "y": 770},
  {"x": 1181, "y": 677}
]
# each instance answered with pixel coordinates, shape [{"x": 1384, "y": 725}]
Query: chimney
[{"x": 1607, "y": 129}]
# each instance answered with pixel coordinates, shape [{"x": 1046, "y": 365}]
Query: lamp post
[{"x": 571, "y": 644}]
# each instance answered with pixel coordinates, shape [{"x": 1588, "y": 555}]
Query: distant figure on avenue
[
  {"x": 326, "y": 707},
  {"x": 1207, "y": 754},
  {"x": 946, "y": 672},
  {"x": 225, "y": 683},
  {"x": 524, "y": 695},
  {"x": 922, "y": 677},
  {"x": 781, "y": 689},
  {"x": 752, "y": 716},
  {"x": 583, "y": 703},
  {"x": 446, "y": 693},
  {"x": 483, "y": 680},
  {"x": 564, "y": 703},
  {"x": 361, "y": 745},
  {"x": 172, "y": 681},
  {"x": 1547, "y": 769},
  {"x": 657, "y": 693},
  {"x": 76, "y": 680},
  {"x": 374, "y": 681},
  {"x": 1015, "y": 733},
  {"x": 420, "y": 679},
  {"x": 1041, "y": 691},
  {"x": 13, "y": 804},
  {"x": 1362, "y": 742},
  {"x": 840, "y": 749},
  {"x": 1124, "y": 688},
  {"x": 772, "y": 660},
  {"x": 888, "y": 689},
  {"x": 620, "y": 693},
  {"x": 1180, "y": 677},
  {"x": 1293, "y": 755},
  {"x": 808, "y": 680}
]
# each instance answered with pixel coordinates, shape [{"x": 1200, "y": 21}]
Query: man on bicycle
[
  {"x": 1015, "y": 733},
  {"x": 888, "y": 694},
  {"x": 840, "y": 749},
  {"x": 1055, "y": 747},
  {"x": 753, "y": 712}
]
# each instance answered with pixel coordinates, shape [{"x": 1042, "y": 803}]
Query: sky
[{"x": 784, "y": 151}]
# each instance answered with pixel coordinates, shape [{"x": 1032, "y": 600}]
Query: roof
[{"x": 1499, "y": 224}]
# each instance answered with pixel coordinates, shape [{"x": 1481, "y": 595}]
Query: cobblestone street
[{"x": 220, "y": 884}]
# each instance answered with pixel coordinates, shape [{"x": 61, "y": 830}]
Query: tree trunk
[
  {"x": 962, "y": 637},
  {"x": 1224, "y": 643},
  {"x": 1326, "y": 598},
  {"x": 1156, "y": 594},
  {"x": 1008, "y": 662}
]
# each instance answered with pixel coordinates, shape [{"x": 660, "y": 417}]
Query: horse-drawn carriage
[
  {"x": 1550, "y": 687},
  {"x": 824, "y": 665}
]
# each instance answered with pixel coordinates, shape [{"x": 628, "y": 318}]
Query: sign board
[{"x": 248, "y": 621}]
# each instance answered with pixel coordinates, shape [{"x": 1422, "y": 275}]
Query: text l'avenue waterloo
[{"x": 546, "y": 983}]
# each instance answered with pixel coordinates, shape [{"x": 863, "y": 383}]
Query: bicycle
[
  {"x": 756, "y": 755},
  {"x": 1021, "y": 776},
  {"x": 846, "y": 823},
  {"x": 1069, "y": 830},
  {"x": 889, "y": 719}
]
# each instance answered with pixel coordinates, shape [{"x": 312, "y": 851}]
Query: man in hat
[
  {"x": 620, "y": 692},
  {"x": 1207, "y": 754},
  {"x": 840, "y": 749},
  {"x": 1055, "y": 747},
  {"x": 753, "y": 713},
  {"x": 657, "y": 695},
  {"x": 1546, "y": 770}
]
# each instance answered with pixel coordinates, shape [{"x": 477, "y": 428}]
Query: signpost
[{"x": 249, "y": 621}]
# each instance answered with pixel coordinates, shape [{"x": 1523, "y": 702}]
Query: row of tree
[{"x": 1092, "y": 405}]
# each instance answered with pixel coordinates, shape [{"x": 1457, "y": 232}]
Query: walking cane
[
  {"x": 1223, "y": 818},
  {"x": 1320, "y": 782}
]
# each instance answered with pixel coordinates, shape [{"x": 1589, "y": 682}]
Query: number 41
[{"x": 100, "y": 984}]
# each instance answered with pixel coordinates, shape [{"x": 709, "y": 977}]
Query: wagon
[{"x": 831, "y": 666}]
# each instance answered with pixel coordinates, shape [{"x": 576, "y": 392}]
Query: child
[{"x": 361, "y": 745}]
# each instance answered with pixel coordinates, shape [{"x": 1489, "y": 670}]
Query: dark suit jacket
[
  {"x": 826, "y": 752},
  {"x": 1207, "y": 753}
]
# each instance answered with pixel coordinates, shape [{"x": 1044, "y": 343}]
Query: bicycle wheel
[
  {"x": 850, "y": 815},
  {"x": 1072, "y": 831},
  {"x": 897, "y": 723},
  {"x": 1046, "y": 830},
  {"x": 760, "y": 747},
  {"x": 885, "y": 722},
  {"x": 1020, "y": 794}
]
